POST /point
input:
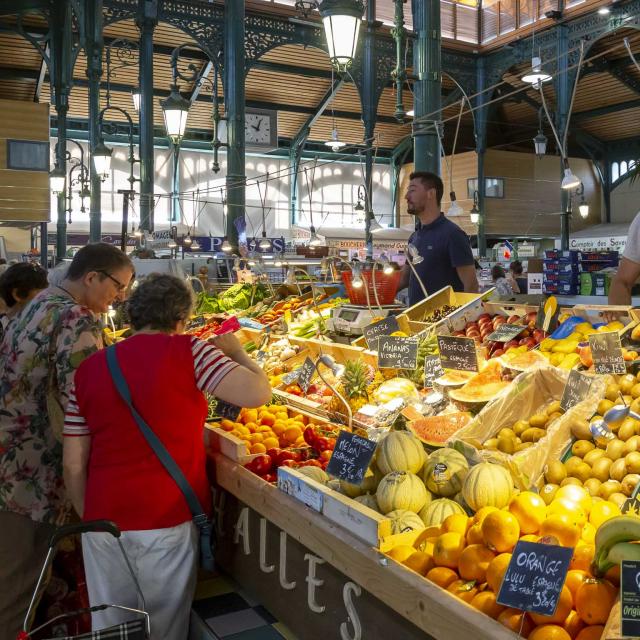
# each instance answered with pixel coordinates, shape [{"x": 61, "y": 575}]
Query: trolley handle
[{"x": 94, "y": 526}]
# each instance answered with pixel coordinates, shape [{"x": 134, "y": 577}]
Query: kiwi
[
  {"x": 538, "y": 420},
  {"x": 627, "y": 382},
  {"x": 491, "y": 443},
  {"x": 632, "y": 444},
  {"x": 548, "y": 492},
  {"x": 627, "y": 429},
  {"x": 592, "y": 485},
  {"x": 580, "y": 429},
  {"x": 604, "y": 406},
  {"x": 614, "y": 449},
  {"x": 553, "y": 417},
  {"x": 506, "y": 444},
  {"x": 571, "y": 464},
  {"x": 618, "y": 498},
  {"x": 592, "y": 456},
  {"x": 600, "y": 469},
  {"x": 523, "y": 445},
  {"x": 629, "y": 483},
  {"x": 533, "y": 434},
  {"x": 582, "y": 472},
  {"x": 520, "y": 427},
  {"x": 609, "y": 487},
  {"x": 612, "y": 392},
  {"x": 580, "y": 448},
  {"x": 554, "y": 407},
  {"x": 571, "y": 480},
  {"x": 632, "y": 462},
  {"x": 618, "y": 470},
  {"x": 555, "y": 472}
]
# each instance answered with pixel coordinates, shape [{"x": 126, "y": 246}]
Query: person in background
[
  {"x": 112, "y": 473},
  {"x": 447, "y": 259},
  {"x": 39, "y": 354},
  {"x": 629, "y": 268},
  {"x": 517, "y": 281},
  {"x": 501, "y": 283},
  {"x": 19, "y": 284}
]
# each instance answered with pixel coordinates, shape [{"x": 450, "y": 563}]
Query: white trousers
[{"x": 164, "y": 561}]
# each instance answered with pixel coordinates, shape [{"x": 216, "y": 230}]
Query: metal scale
[{"x": 351, "y": 319}]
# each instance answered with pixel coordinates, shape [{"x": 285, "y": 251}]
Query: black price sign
[
  {"x": 306, "y": 373},
  {"x": 227, "y": 410},
  {"x": 381, "y": 328},
  {"x": 606, "y": 352},
  {"x": 535, "y": 577},
  {"x": 292, "y": 376},
  {"x": 458, "y": 353},
  {"x": 397, "y": 353},
  {"x": 351, "y": 458},
  {"x": 576, "y": 389},
  {"x": 432, "y": 370},
  {"x": 630, "y": 598},
  {"x": 506, "y": 332}
]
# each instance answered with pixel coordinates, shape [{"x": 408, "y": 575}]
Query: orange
[
  {"x": 401, "y": 552},
  {"x": 270, "y": 443},
  {"x": 517, "y": 621},
  {"x": 565, "y": 604},
  {"x": 482, "y": 513},
  {"x": 241, "y": 429},
  {"x": 485, "y": 601},
  {"x": 573, "y": 624},
  {"x": 613, "y": 575},
  {"x": 250, "y": 415},
  {"x": 594, "y": 600},
  {"x": 474, "y": 561},
  {"x": 500, "y": 531},
  {"x": 442, "y": 576},
  {"x": 602, "y": 511},
  {"x": 291, "y": 434},
  {"x": 265, "y": 430},
  {"x": 582, "y": 557},
  {"x": 570, "y": 508},
  {"x": 474, "y": 535},
  {"x": 577, "y": 494},
  {"x": 530, "y": 511},
  {"x": 575, "y": 577},
  {"x": 258, "y": 447},
  {"x": 530, "y": 537},
  {"x": 420, "y": 562},
  {"x": 592, "y": 632},
  {"x": 456, "y": 522},
  {"x": 447, "y": 549},
  {"x": 549, "y": 632},
  {"x": 255, "y": 438},
  {"x": 228, "y": 426},
  {"x": 496, "y": 570},
  {"x": 267, "y": 418},
  {"x": 464, "y": 590},
  {"x": 562, "y": 528}
]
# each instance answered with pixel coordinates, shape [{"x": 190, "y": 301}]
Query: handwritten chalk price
[
  {"x": 458, "y": 353},
  {"x": 351, "y": 458}
]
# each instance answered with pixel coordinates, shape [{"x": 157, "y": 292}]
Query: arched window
[
  {"x": 615, "y": 171},
  {"x": 623, "y": 168}
]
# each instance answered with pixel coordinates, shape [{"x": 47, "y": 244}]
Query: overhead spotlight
[
  {"x": 536, "y": 76},
  {"x": 414, "y": 254},
  {"x": 314, "y": 240},
  {"x": 570, "y": 181},
  {"x": 604, "y": 11},
  {"x": 411, "y": 113},
  {"x": 264, "y": 243},
  {"x": 454, "y": 209},
  {"x": 226, "y": 245},
  {"x": 357, "y": 282},
  {"x": 335, "y": 143}
]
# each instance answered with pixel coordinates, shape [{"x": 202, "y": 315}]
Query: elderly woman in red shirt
[{"x": 112, "y": 473}]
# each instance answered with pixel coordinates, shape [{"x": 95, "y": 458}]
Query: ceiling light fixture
[
  {"x": 341, "y": 20},
  {"x": 536, "y": 76}
]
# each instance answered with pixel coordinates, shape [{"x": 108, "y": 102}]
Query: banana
[
  {"x": 610, "y": 533},
  {"x": 622, "y": 551}
]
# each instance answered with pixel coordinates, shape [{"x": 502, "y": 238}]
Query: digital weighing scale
[{"x": 351, "y": 319}]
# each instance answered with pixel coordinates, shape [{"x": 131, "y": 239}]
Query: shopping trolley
[{"x": 136, "y": 629}]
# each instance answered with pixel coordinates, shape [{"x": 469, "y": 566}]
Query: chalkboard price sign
[
  {"x": 227, "y": 410},
  {"x": 306, "y": 373},
  {"x": 351, "y": 458},
  {"x": 384, "y": 327},
  {"x": 397, "y": 353},
  {"x": 292, "y": 376},
  {"x": 458, "y": 353},
  {"x": 535, "y": 577},
  {"x": 432, "y": 370},
  {"x": 630, "y": 598},
  {"x": 606, "y": 352},
  {"x": 506, "y": 332},
  {"x": 576, "y": 389}
]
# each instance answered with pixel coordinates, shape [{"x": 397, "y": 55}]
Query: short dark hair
[
  {"x": 431, "y": 181},
  {"x": 97, "y": 256},
  {"x": 497, "y": 272},
  {"x": 159, "y": 302},
  {"x": 25, "y": 277},
  {"x": 516, "y": 267}
]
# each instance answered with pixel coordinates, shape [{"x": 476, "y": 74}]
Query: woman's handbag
[{"x": 199, "y": 516}]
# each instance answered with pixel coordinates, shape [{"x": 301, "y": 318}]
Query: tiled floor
[{"x": 222, "y": 611}]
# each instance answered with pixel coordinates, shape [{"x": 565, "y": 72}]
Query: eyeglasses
[{"x": 121, "y": 287}]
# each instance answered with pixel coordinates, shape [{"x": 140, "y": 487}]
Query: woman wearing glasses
[{"x": 39, "y": 354}]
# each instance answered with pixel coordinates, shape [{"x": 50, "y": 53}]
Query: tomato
[
  {"x": 324, "y": 444},
  {"x": 282, "y": 456},
  {"x": 294, "y": 389},
  {"x": 270, "y": 477},
  {"x": 290, "y": 463},
  {"x": 325, "y": 456},
  {"x": 260, "y": 465},
  {"x": 273, "y": 454},
  {"x": 309, "y": 436}
]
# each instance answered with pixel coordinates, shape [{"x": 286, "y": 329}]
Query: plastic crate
[
  {"x": 386, "y": 287},
  {"x": 600, "y": 256},
  {"x": 561, "y": 266},
  {"x": 556, "y": 254},
  {"x": 553, "y": 276}
]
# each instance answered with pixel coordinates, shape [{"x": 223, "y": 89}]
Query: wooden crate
[
  {"x": 419, "y": 311},
  {"x": 410, "y": 327}
]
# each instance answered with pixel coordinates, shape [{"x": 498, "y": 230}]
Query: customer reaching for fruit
[{"x": 111, "y": 471}]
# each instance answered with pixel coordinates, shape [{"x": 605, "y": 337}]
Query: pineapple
[{"x": 354, "y": 387}]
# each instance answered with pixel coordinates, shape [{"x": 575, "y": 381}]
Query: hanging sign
[
  {"x": 432, "y": 370},
  {"x": 397, "y": 353},
  {"x": 305, "y": 374},
  {"x": 506, "y": 332},
  {"x": 576, "y": 389},
  {"x": 351, "y": 458},
  {"x": 384, "y": 327},
  {"x": 458, "y": 353},
  {"x": 606, "y": 352}
]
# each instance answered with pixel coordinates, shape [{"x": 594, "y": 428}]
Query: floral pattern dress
[{"x": 52, "y": 329}]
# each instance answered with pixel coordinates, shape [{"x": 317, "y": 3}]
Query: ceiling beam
[
  {"x": 616, "y": 68},
  {"x": 41, "y": 76},
  {"x": 21, "y": 75},
  {"x": 200, "y": 80},
  {"x": 606, "y": 110}
]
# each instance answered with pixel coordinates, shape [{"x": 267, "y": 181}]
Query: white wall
[{"x": 625, "y": 202}]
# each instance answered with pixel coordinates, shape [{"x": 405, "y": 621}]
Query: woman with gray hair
[{"x": 112, "y": 473}]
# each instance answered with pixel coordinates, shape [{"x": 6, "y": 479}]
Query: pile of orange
[
  {"x": 468, "y": 556},
  {"x": 267, "y": 427}
]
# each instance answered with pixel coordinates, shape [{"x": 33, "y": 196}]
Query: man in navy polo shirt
[{"x": 446, "y": 253}]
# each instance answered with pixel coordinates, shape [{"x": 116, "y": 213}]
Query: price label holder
[
  {"x": 606, "y": 352},
  {"x": 506, "y": 332},
  {"x": 300, "y": 489},
  {"x": 384, "y": 327},
  {"x": 397, "y": 353},
  {"x": 432, "y": 370},
  {"x": 576, "y": 389},
  {"x": 292, "y": 376},
  {"x": 535, "y": 577},
  {"x": 227, "y": 410},
  {"x": 630, "y": 598},
  {"x": 351, "y": 458},
  {"x": 306, "y": 372},
  {"x": 458, "y": 353}
]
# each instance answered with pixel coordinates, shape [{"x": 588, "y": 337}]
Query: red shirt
[{"x": 166, "y": 375}]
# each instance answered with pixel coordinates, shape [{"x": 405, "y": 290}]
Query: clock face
[{"x": 257, "y": 128}]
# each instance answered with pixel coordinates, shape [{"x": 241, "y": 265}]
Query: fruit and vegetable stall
[{"x": 469, "y": 468}]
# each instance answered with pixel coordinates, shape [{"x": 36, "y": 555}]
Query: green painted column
[
  {"x": 147, "y": 20},
  {"x": 94, "y": 45},
  {"x": 234, "y": 72},
  {"x": 563, "y": 100},
  {"x": 62, "y": 107},
  {"x": 428, "y": 86},
  {"x": 369, "y": 110},
  {"x": 481, "y": 148}
]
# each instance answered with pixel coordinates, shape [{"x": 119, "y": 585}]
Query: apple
[
  {"x": 538, "y": 334},
  {"x": 530, "y": 342},
  {"x": 511, "y": 343},
  {"x": 470, "y": 324},
  {"x": 525, "y": 334},
  {"x": 459, "y": 334},
  {"x": 497, "y": 353},
  {"x": 513, "y": 319},
  {"x": 472, "y": 333},
  {"x": 532, "y": 316},
  {"x": 484, "y": 316}
]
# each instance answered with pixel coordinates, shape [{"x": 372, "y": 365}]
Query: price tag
[
  {"x": 292, "y": 376},
  {"x": 397, "y": 353},
  {"x": 506, "y": 332},
  {"x": 606, "y": 352},
  {"x": 432, "y": 370},
  {"x": 299, "y": 489},
  {"x": 535, "y": 577},
  {"x": 227, "y": 410},
  {"x": 306, "y": 372},
  {"x": 458, "y": 353},
  {"x": 351, "y": 458},
  {"x": 576, "y": 389},
  {"x": 630, "y": 598},
  {"x": 381, "y": 328}
]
